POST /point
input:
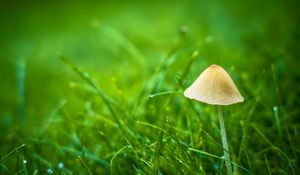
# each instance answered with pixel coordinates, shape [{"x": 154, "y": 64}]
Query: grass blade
[
  {"x": 275, "y": 148},
  {"x": 114, "y": 156},
  {"x": 218, "y": 157},
  {"x": 51, "y": 116},
  {"x": 162, "y": 93},
  {"x": 151, "y": 125},
  {"x": 184, "y": 154},
  {"x": 21, "y": 68},
  {"x": 124, "y": 42},
  {"x": 268, "y": 166},
  {"x": 25, "y": 166},
  {"x": 85, "y": 165},
  {"x": 107, "y": 101},
  {"x": 157, "y": 151},
  {"x": 12, "y": 152}
]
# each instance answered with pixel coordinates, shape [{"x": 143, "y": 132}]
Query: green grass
[{"x": 97, "y": 87}]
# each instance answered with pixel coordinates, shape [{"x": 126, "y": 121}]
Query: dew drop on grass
[
  {"x": 49, "y": 171},
  {"x": 148, "y": 140},
  {"x": 275, "y": 108},
  {"x": 216, "y": 166},
  {"x": 60, "y": 165},
  {"x": 24, "y": 161}
]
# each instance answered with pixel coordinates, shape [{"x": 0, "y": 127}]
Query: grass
[{"x": 111, "y": 102}]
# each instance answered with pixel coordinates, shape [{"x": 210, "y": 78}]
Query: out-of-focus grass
[{"x": 111, "y": 101}]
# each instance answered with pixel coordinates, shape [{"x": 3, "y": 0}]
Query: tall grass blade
[
  {"x": 21, "y": 75},
  {"x": 157, "y": 152}
]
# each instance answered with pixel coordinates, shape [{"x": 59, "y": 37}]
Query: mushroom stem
[{"x": 224, "y": 142}]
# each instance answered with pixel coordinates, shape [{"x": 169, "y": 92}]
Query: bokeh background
[{"x": 140, "y": 56}]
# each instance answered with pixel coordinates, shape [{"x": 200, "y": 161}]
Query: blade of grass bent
[
  {"x": 114, "y": 156},
  {"x": 221, "y": 158}
]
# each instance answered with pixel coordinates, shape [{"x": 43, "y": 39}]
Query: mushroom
[{"x": 214, "y": 86}]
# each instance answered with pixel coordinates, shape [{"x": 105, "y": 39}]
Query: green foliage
[{"x": 97, "y": 87}]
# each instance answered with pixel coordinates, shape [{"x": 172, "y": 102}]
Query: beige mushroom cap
[{"x": 214, "y": 86}]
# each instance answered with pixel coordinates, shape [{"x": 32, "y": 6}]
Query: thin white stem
[{"x": 224, "y": 142}]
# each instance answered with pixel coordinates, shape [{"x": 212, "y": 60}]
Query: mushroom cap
[{"x": 214, "y": 86}]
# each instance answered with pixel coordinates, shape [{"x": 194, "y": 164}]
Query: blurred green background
[{"x": 140, "y": 56}]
